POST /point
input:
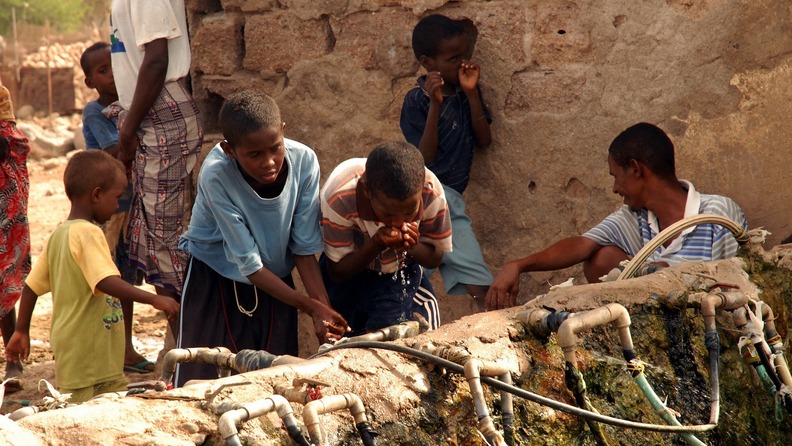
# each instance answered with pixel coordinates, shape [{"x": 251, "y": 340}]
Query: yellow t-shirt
[{"x": 87, "y": 334}]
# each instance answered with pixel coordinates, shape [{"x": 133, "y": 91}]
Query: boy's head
[
  {"x": 94, "y": 180},
  {"x": 98, "y": 69},
  {"x": 253, "y": 131},
  {"x": 441, "y": 44},
  {"x": 394, "y": 182}
]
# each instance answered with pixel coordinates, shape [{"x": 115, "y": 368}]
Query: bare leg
[
  {"x": 7, "y": 326},
  {"x": 131, "y": 356},
  {"x": 602, "y": 262},
  {"x": 478, "y": 292}
]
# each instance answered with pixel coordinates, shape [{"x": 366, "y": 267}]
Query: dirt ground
[{"x": 48, "y": 206}]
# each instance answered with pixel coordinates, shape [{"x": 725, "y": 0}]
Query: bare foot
[
  {"x": 134, "y": 359},
  {"x": 13, "y": 377}
]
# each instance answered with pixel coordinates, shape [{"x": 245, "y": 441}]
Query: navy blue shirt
[{"x": 455, "y": 139}]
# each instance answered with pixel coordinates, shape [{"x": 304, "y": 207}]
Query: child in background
[
  {"x": 101, "y": 133},
  {"x": 14, "y": 229},
  {"x": 385, "y": 219},
  {"x": 86, "y": 336},
  {"x": 256, "y": 217},
  {"x": 445, "y": 118}
]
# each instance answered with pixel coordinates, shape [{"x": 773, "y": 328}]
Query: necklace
[{"x": 248, "y": 313}]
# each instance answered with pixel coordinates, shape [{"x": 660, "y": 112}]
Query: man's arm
[
  {"x": 150, "y": 81},
  {"x": 562, "y": 254}
]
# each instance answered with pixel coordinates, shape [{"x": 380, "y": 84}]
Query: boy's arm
[
  {"x": 426, "y": 255},
  {"x": 151, "y": 79},
  {"x": 117, "y": 287},
  {"x": 428, "y": 142},
  {"x": 18, "y": 347},
  {"x": 469, "y": 74},
  {"x": 562, "y": 254},
  {"x": 354, "y": 262},
  {"x": 311, "y": 276},
  {"x": 319, "y": 311}
]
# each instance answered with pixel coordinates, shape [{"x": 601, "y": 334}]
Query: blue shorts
[
  {"x": 372, "y": 300},
  {"x": 464, "y": 265}
]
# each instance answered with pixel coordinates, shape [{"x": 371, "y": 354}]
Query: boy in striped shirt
[
  {"x": 641, "y": 161},
  {"x": 384, "y": 220}
]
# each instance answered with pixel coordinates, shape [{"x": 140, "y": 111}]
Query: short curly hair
[
  {"x": 246, "y": 112},
  {"x": 647, "y": 144},
  {"x": 433, "y": 29},
  {"x": 89, "y": 169},
  {"x": 396, "y": 169}
]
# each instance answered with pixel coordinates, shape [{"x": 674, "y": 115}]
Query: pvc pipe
[
  {"x": 219, "y": 356},
  {"x": 228, "y": 422},
  {"x": 774, "y": 340},
  {"x": 406, "y": 329},
  {"x": 543, "y": 322},
  {"x": 663, "y": 411},
  {"x": 472, "y": 368},
  {"x": 675, "y": 229},
  {"x": 22, "y": 413},
  {"x": 522, "y": 393},
  {"x": 727, "y": 300},
  {"x": 331, "y": 403},
  {"x": 610, "y": 313}
]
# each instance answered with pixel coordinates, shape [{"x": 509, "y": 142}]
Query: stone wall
[{"x": 561, "y": 78}]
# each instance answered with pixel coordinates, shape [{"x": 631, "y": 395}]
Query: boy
[
  {"x": 445, "y": 118},
  {"x": 101, "y": 133},
  {"x": 641, "y": 161},
  {"x": 86, "y": 336},
  {"x": 384, "y": 220},
  {"x": 256, "y": 217}
]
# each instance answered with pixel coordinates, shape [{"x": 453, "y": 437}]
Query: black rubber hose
[{"x": 516, "y": 391}]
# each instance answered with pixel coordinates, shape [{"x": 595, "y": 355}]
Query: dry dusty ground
[{"x": 48, "y": 206}]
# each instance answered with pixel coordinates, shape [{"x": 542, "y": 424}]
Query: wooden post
[{"x": 49, "y": 69}]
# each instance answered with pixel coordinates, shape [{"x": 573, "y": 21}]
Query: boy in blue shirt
[
  {"x": 445, "y": 118},
  {"x": 256, "y": 217},
  {"x": 101, "y": 133}
]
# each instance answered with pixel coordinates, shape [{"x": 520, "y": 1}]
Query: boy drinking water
[
  {"x": 256, "y": 217},
  {"x": 385, "y": 219},
  {"x": 101, "y": 133},
  {"x": 445, "y": 118},
  {"x": 87, "y": 334}
]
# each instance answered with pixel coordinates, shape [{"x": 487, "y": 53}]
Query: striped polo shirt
[
  {"x": 631, "y": 230},
  {"x": 347, "y": 215}
]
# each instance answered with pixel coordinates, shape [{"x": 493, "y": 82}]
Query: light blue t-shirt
[
  {"x": 236, "y": 232},
  {"x": 99, "y": 132}
]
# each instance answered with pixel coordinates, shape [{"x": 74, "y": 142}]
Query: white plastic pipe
[
  {"x": 229, "y": 421},
  {"x": 611, "y": 313},
  {"x": 327, "y": 404}
]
